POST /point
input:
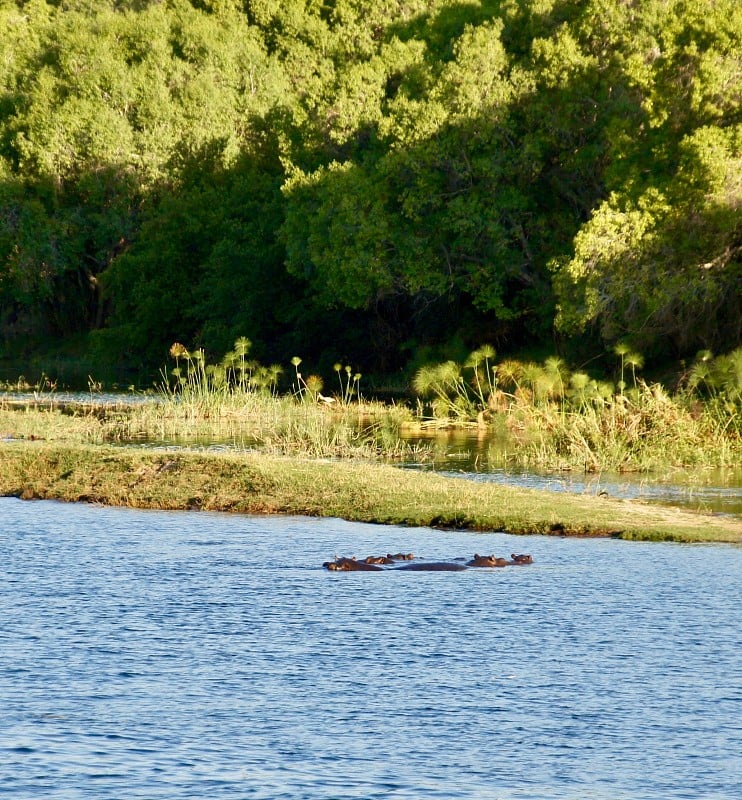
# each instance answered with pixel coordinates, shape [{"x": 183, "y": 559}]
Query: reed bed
[
  {"x": 541, "y": 416},
  {"x": 273, "y": 426},
  {"x": 563, "y": 420},
  {"x": 232, "y": 403}
]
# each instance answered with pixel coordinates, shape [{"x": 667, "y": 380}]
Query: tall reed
[
  {"x": 569, "y": 420},
  {"x": 238, "y": 399}
]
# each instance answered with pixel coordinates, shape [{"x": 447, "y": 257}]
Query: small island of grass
[
  {"x": 310, "y": 456},
  {"x": 259, "y": 483}
]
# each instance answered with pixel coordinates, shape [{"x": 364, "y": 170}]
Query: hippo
[
  {"x": 487, "y": 561},
  {"x": 350, "y": 565},
  {"x": 373, "y": 563},
  {"x": 379, "y": 560}
]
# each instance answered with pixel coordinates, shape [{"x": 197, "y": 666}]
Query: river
[{"x": 148, "y": 654}]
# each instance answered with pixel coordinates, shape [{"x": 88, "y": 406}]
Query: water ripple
[{"x": 160, "y": 655}]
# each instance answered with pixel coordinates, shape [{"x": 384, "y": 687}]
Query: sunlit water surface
[{"x": 192, "y": 655}]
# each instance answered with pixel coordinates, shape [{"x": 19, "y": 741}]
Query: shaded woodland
[{"x": 374, "y": 182}]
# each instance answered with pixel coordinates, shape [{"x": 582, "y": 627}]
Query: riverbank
[{"x": 255, "y": 483}]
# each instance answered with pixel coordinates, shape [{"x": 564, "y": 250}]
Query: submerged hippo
[
  {"x": 350, "y": 565},
  {"x": 373, "y": 563},
  {"x": 379, "y": 560},
  {"x": 487, "y": 561}
]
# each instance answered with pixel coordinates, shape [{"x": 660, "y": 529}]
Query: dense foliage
[{"x": 361, "y": 181}]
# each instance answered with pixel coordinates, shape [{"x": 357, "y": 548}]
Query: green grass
[
  {"x": 278, "y": 425},
  {"x": 259, "y": 483},
  {"x": 558, "y": 419}
]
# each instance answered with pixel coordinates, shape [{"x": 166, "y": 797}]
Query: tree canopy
[{"x": 360, "y": 180}]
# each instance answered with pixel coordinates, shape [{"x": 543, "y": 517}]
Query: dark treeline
[{"x": 369, "y": 181}]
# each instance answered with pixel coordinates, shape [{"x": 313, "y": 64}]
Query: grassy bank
[{"x": 255, "y": 483}]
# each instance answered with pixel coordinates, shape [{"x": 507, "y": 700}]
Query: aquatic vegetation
[
  {"x": 542, "y": 416},
  {"x": 559, "y": 419},
  {"x": 236, "y": 401}
]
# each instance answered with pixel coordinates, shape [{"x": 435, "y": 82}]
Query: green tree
[
  {"x": 658, "y": 263},
  {"x": 665, "y": 269}
]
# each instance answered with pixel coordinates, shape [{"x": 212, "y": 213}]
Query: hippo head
[
  {"x": 487, "y": 561},
  {"x": 379, "y": 560},
  {"x": 524, "y": 558},
  {"x": 350, "y": 565}
]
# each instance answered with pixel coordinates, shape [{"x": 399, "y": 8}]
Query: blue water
[{"x": 191, "y": 655}]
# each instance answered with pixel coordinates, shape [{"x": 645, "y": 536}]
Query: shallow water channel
[{"x": 181, "y": 655}]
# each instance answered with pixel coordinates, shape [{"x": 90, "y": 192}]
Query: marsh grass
[
  {"x": 543, "y": 416},
  {"x": 235, "y": 402},
  {"x": 559, "y": 419},
  {"x": 278, "y": 424},
  {"x": 50, "y": 424},
  {"x": 642, "y": 431},
  {"x": 274, "y": 425}
]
